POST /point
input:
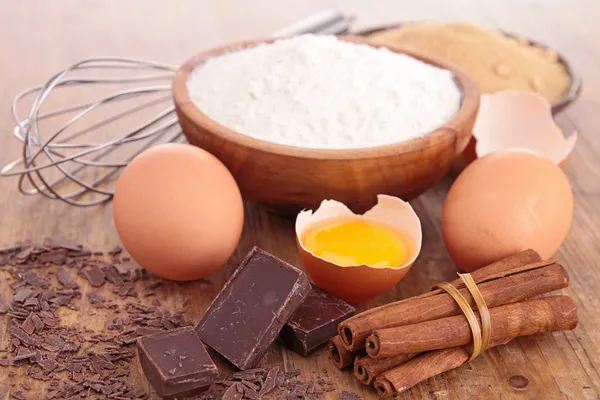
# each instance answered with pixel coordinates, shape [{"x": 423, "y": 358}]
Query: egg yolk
[{"x": 353, "y": 242}]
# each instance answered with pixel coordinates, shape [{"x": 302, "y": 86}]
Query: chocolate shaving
[
  {"x": 251, "y": 393},
  {"x": 34, "y": 280},
  {"x": 22, "y": 294},
  {"x": 115, "y": 250},
  {"x": 19, "y": 333},
  {"x": 61, "y": 244},
  {"x": 232, "y": 394},
  {"x": 28, "y": 325},
  {"x": 56, "y": 257},
  {"x": 270, "y": 381},
  {"x": 24, "y": 353},
  {"x": 95, "y": 276},
  {"x": 64, "y": 277},
  {"x": 18, "y": 395}
]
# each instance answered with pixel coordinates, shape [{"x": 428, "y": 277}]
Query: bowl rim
[
  {"x": 446, "y": 132},
  {"x": 560, "y": 104}
]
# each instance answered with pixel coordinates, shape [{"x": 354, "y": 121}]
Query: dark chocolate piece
[
  {"x": 170, "y": 374},
  {"x": 248, "y": 313},
  {"x": 314, "y": 322}
]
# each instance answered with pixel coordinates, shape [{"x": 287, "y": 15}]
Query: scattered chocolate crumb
[
  {"x": 44, "y": 347},
  {"x": 270, "y": 381},
  {"x": 115, "y": 250},
  {"x": 28, "y": 325},
  {"x": 18, "y": 395},
  {"x": 349, "y": 396}
]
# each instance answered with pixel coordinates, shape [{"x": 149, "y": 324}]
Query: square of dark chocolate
[
  {"x": 176, "y": 362},
  {"x": 314, "y": 322},
  {"x": 248, "y": 313}
]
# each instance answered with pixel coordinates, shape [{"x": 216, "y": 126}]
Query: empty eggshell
[
  {"x": 514, "y": 119},
  {"x": 360, "y": 282}
]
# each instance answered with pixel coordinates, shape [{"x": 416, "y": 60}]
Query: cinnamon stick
[
  {"x": 355, "y": 330},
  {"x": 548, "y": 314},
  {"x": 366, "y": 369},
  {"x": 540, "y": 279},
  {"x": 340, "y": 357},
  {"x": 427, "y": 365}
]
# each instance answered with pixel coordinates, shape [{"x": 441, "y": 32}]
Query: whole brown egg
[
  {"x": 503, "y": 203},
  {"x": 178, "y": 211}
]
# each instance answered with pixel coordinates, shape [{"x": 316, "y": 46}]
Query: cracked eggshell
[
  {"x": 513, "y": 119},
  {"x": 361, "y": 282}
]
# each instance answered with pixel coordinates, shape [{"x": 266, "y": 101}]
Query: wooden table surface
[{"x": 38, "y": 38}]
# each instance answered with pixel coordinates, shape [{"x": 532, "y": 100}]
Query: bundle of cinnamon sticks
[{"x": 398, "y": 345}]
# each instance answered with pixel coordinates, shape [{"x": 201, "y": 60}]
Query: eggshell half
[
  {"x": 361, "y": 282},
  {"x": 514, "y": 119}
]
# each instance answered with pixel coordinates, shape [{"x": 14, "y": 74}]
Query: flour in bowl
[{"x": 321, "y": 92}]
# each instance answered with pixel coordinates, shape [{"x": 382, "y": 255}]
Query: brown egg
[
  {"x": 356, "y": 283},
  {"x": 178, "y": 211},
  {"x": 503, "y": 203}
]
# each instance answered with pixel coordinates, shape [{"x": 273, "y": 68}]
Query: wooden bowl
[
  {"x": 288, "y": 178},
  {"x": 563, "y": 102}
]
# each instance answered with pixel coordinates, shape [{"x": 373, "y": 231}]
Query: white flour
[{"x": 320, "y": 92}]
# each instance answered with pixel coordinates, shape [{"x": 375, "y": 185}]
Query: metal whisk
[
  {"x": 78, "y": 159},
  {"x": 77, "y": 186}
]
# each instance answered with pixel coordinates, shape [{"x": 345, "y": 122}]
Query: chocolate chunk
[
  {"x": 160, "y": 358},
  {"x": 95, "y": 276},
  {"x": 248, "y": 313},
  {"x": 314, "y": 322}
]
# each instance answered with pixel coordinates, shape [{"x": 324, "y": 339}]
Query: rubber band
[{"x": 481, "y": 332}]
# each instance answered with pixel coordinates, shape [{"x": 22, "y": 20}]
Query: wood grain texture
[{"x": 39, "y": 38}]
